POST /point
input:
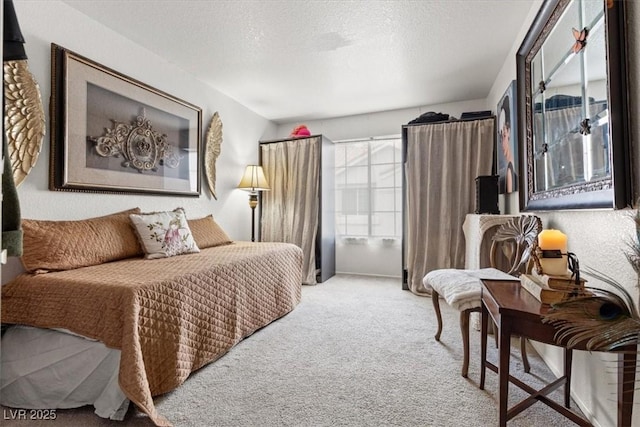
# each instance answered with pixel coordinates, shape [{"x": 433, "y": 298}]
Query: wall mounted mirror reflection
[{"x": 572, "y": 108}]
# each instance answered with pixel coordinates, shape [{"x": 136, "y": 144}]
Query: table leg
[
  {"x": 626, "y": 382},
  {"x": 504, "y": 333},
  {"x": 484, "y": 324},
  {"x": 568, "y": 358}
]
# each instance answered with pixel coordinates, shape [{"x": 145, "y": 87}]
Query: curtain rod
[{"x": 371, "y": 138}]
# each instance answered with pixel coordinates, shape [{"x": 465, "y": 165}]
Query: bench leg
[
  {"x": 436, "y": 306},
  {"x": 464, "y": 328}
]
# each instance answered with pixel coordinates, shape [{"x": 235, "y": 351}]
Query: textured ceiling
[{"x": 291, "y": 60}]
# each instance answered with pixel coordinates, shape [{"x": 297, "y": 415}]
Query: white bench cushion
[{"x": 461, "y": 288}]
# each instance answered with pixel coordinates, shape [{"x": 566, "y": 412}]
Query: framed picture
[
  {"x": 507, "y": 132},
  {"x": 111, "y": 133}
]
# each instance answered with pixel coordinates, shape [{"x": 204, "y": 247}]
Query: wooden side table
[{"x": 516, "y": 312}]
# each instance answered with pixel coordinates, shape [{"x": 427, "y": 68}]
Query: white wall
[
  {"x": 374, "y": 258},
  {"x": 599, "y": 239},
  {"x": 46, "y": 21},
  {"x": 378, "y": 124},
  {"x": 508, "y": 203}
]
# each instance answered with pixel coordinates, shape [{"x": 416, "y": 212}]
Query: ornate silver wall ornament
[
  {"x": 141, "y": 147},
  {"x": 213, "y": 147}
]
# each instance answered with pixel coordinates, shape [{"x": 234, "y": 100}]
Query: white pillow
[{"x": 164, "y": 234}]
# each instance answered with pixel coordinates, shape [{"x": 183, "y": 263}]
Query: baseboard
[{"x": 346, "y": 273}]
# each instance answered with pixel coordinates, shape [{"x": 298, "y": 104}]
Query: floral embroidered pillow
[{"x": 164, "y": 234}]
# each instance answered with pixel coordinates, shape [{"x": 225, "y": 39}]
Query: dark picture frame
[
  {"x": 506, "y": 141},
  {"x": 615, "y": 191},
  {"x": 112, "y": 133}
]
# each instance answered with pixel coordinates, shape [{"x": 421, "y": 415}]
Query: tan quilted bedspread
[{"x": 168, "y": 317}]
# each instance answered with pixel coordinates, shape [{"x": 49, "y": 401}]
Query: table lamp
[{"x": 253, "y": 181}]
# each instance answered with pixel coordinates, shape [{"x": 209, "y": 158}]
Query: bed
[{"x": 166, "y": 317}]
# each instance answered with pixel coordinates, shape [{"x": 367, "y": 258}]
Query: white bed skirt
[{"x": 54, "y": 369}]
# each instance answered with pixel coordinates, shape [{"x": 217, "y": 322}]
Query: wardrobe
[
  {"x": 441, "y": 162},
  {"x": 299, "y": 208}
]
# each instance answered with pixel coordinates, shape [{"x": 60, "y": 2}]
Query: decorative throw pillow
[
  {"x": 164, "y": 234},
  {"x": 65, "y": 245},
  {"x": 207, "y": 233}
]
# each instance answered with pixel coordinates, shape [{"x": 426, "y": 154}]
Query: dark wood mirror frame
[{"x": 617, "y": 193}]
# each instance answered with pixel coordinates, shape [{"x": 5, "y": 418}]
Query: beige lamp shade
[{"x": 253, "y": 179}]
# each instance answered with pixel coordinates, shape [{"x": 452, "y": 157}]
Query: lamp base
[{"x": 253, "y": 202}]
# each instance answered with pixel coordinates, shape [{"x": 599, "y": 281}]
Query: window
[{"x": 369, "y": 188}]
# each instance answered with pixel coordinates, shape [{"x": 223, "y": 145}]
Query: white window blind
[{"x": 369, "y": 188}]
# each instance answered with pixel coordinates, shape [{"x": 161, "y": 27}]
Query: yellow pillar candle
[{"x": 553, "y": 240}]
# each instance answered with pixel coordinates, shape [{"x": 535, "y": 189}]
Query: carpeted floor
[{"x": 358, "y": 351}]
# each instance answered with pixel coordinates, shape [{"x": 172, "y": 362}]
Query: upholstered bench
[{"x": 513, "y": 242}]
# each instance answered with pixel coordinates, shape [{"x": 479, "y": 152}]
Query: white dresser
[{"x": 478, "y": 231}]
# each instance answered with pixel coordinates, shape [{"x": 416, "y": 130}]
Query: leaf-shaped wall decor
[
  {"x": 23, "y": 118},
  {"x": 212, "y": 151}
]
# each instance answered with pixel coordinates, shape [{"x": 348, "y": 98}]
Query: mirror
[{"x": 572, "y": 108}]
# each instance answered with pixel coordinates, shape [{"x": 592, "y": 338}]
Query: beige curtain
[
  {"x": 443, "y": 161},
  {"x": 290, "y": 209}
]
